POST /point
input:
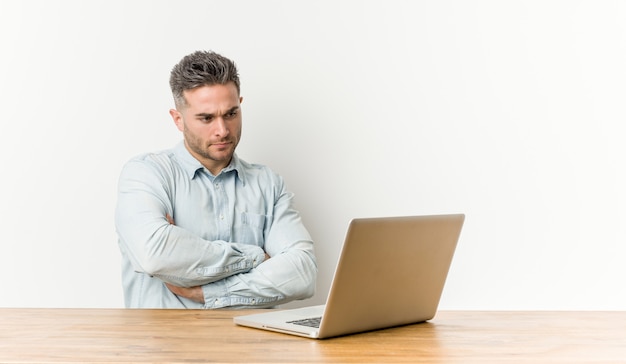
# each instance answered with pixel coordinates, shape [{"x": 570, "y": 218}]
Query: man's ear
[{"x": 178, "y": 119}]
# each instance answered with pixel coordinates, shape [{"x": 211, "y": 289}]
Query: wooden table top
[{"x": 197, "y": 336}]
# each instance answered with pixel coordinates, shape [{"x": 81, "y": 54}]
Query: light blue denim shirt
[{"x": 224, "y": 224}]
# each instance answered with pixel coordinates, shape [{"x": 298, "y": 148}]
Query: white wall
[{"x": 508, "y": 111}]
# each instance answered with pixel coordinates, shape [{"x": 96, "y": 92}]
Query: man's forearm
[
  {"x": 285, "y": 277},
  {"x": 193, "y": 293}
]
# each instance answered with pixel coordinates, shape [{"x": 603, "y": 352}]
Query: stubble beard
[{"x": 202, "y": 149}]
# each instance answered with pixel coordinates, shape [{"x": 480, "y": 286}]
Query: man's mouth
[{"x": 221, "y": 144}]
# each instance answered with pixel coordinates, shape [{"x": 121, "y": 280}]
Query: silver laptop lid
[{"x": 391, "y": 271}]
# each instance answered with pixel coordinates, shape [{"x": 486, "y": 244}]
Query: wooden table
[{"x": 195, "y": 336}]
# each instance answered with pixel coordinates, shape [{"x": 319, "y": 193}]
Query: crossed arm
[{"x": 193, "y": 293}]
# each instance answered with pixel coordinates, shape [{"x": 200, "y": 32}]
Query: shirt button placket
[{"x": 221, "y": 203}]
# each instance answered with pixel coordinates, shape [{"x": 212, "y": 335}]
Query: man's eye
[
  {"x": 231, "y": 114},
  {"x": 206, "y": 119}
]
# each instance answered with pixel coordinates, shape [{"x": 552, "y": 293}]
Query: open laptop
[{"x": 391, "y": 272}]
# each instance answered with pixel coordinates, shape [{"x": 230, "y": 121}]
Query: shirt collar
[{"x": 191, "y": 165}]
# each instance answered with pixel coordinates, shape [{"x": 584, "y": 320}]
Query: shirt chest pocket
[{"x": 249, "y": 228}]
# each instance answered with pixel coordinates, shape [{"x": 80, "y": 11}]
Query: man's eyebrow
[{"x": 205, "y": 114}]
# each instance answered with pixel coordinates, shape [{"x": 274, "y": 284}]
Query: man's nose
[{"x": 220, "y": 127}]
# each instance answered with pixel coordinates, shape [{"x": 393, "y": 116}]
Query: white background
[{"x": 508, "y": 111}]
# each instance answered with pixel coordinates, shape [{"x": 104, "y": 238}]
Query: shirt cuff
[
  {"x": 215, "y": 294},
  {"x": 258, "y": 257}
]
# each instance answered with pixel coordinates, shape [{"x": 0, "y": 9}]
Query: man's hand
[{"x": 193, "y": 293}]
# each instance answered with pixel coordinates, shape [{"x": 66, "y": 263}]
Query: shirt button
[{"x": 221, "y": 217}]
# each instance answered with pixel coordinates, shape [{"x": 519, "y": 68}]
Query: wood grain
[{"x": 195, "y": 336}]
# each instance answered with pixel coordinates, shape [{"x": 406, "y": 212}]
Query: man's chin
[{"x": 221, "y": 156}]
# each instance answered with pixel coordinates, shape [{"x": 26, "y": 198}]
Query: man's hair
[{"x": 201, "y": 68}]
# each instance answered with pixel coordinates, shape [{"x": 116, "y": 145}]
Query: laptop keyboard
[{"x": 310, "y": 322}]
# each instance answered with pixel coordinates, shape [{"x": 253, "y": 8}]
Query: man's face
[{"x": 211, "y": 124}]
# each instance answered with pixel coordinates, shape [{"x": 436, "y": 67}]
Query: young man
[{"x": 199, "y": 227}]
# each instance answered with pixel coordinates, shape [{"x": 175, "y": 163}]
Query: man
[{"x": 199, "y": 227}]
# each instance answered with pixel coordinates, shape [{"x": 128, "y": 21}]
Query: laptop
[{"x": 391, "y": 272}]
